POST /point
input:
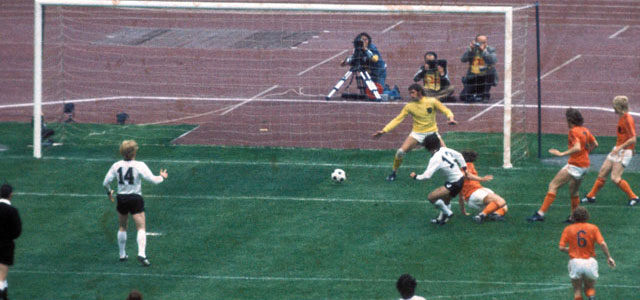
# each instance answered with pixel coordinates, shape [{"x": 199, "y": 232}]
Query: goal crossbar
[{"x": 507, "y": 11}]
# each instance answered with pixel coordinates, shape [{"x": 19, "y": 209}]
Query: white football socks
[
  {"x": 122, "y": 242},
  {"x": 443, "y": 207},
  {"x": 142, "y": 242},
  {"x": 3, "y": 285}
]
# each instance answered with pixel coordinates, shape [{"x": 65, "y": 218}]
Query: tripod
[{"x": 363, "y": 81}]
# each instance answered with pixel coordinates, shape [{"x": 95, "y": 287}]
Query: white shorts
[
  {"x": 576, "y": 172},
  {"x": 420, "y": 136},
  {"x": 476, "y": 200},
  {"x": 623, "y": 157},
  {"x": 583, "y": 268}
]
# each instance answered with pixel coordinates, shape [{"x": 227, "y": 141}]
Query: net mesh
[{"x": 260, "y": 78}]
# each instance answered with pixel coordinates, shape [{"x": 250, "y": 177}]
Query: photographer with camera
[
  {"x": 482, "y": 72},
  {"x": 367, "y": 57},
  {"x": 435, "y": 78}
]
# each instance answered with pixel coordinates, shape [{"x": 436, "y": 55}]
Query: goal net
[{"x": 256, "y": 74}]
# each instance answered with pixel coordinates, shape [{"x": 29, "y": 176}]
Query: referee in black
[{"x": 10, "y": 229}]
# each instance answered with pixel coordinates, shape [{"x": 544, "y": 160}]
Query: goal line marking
[
  {"x": 304, "y": 279},
  {"x": 275, "y": 198}
]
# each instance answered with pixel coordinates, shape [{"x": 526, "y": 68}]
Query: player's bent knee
[{"x": 400, "y": 153}]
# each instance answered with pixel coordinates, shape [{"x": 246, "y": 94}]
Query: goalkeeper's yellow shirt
[{"x": 423, "y": 112}]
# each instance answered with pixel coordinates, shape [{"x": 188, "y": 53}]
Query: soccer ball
[{"x": 338, "y": 175}]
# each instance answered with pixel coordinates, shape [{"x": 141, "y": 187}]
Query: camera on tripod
[{"x": 359, "y": 57}]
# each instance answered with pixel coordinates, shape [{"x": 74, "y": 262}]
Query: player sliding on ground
[
  {"x": 423, "y": 111},
  {"x": 579, "y": 240},
  {"x": 129, "y": 173},
  {"x": 490, "y": 204},
  {"x": 581, "y": 142},
  {"x": 620, "y": 155},
  {"x": 452, "y": 165}
]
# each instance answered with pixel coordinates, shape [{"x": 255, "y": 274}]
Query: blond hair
[
  {"x": 621, "y": 104},
  {"x": 128, "y": 149}
]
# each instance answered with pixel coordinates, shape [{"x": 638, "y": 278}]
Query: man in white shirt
[
  {"x": 129, "y": 174},
  {"x": 450, "y": 162}
]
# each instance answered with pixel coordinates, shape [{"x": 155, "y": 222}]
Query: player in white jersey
[
  {"x": 129, "y": 173},
  {"x": 406, "y": 286},
  {"x": 452, "y": 164}
]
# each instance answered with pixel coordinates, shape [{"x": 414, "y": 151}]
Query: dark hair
[
  {"x": 432, "y": 142},
  {"x": 5, "y": 191},
  {"x": 435, "y": 56},
  {"x": 364, "y": 34},
  {"x": 469, "y": 155},
  {"x": 406, "y": 286},
  {"x": 574, "y": 117},
  {"x": 580, "y": 214},
  {"x": 479, "y": 35},
  {"x": 418, "y": 88},
  {"x": 134, "y": 295}
]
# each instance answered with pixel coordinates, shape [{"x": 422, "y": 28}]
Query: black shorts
[
  {"x": 6, "y": 252},
  {"x": 130, "y": 204},
  {"x": 454, "y": 187}
]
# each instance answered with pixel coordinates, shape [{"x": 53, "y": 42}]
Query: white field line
[
  {"x": 561, "y": 66},
  {"x": 186, "y": 118},
  {"x": 18, "y": 105},
  {"x": 613, "y": 36},
  {"x": 248, "y": 100},
  {"x": 277, "y": 198},
  {"x": 560, "y": 287},
  {"x": 184, "y": 134},
  {"x": 392, "y": 27},
  {"x": 499, "y": 103},
  {"x": 323, "y": 62},
  {"x": 303, "y": 279},
  {"x": 304, "y": 101},
  {"x": 224, "y": 110}
]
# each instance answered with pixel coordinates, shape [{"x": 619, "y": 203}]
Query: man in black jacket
[{"x": 10, "y": 229}]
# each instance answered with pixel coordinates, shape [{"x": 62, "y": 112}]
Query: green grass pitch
[{"x": 268, "y": 223}]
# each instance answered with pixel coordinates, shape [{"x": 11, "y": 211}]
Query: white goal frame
[{"x": 507, "y": 11}]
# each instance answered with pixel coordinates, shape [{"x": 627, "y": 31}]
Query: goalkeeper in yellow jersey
[{"x": 423, "y": 111}]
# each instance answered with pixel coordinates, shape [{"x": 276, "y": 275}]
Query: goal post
[{"x": 506, "y": 11}]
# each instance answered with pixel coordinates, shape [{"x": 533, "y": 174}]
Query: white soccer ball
[{"x": 338, "y": 175}]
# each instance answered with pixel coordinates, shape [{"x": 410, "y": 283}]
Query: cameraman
[
  {"x": 366, "y": 54},
  {"x": 482, "y": 71},
  {"x": 435, "y": 78}
]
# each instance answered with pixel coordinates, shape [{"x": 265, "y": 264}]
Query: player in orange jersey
[
  {"x": 581, "y": 142},
  {"x": 481, "y": 198},
  {"x": 579, "y": 241},
  {"x": 620, "y": 156}
]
